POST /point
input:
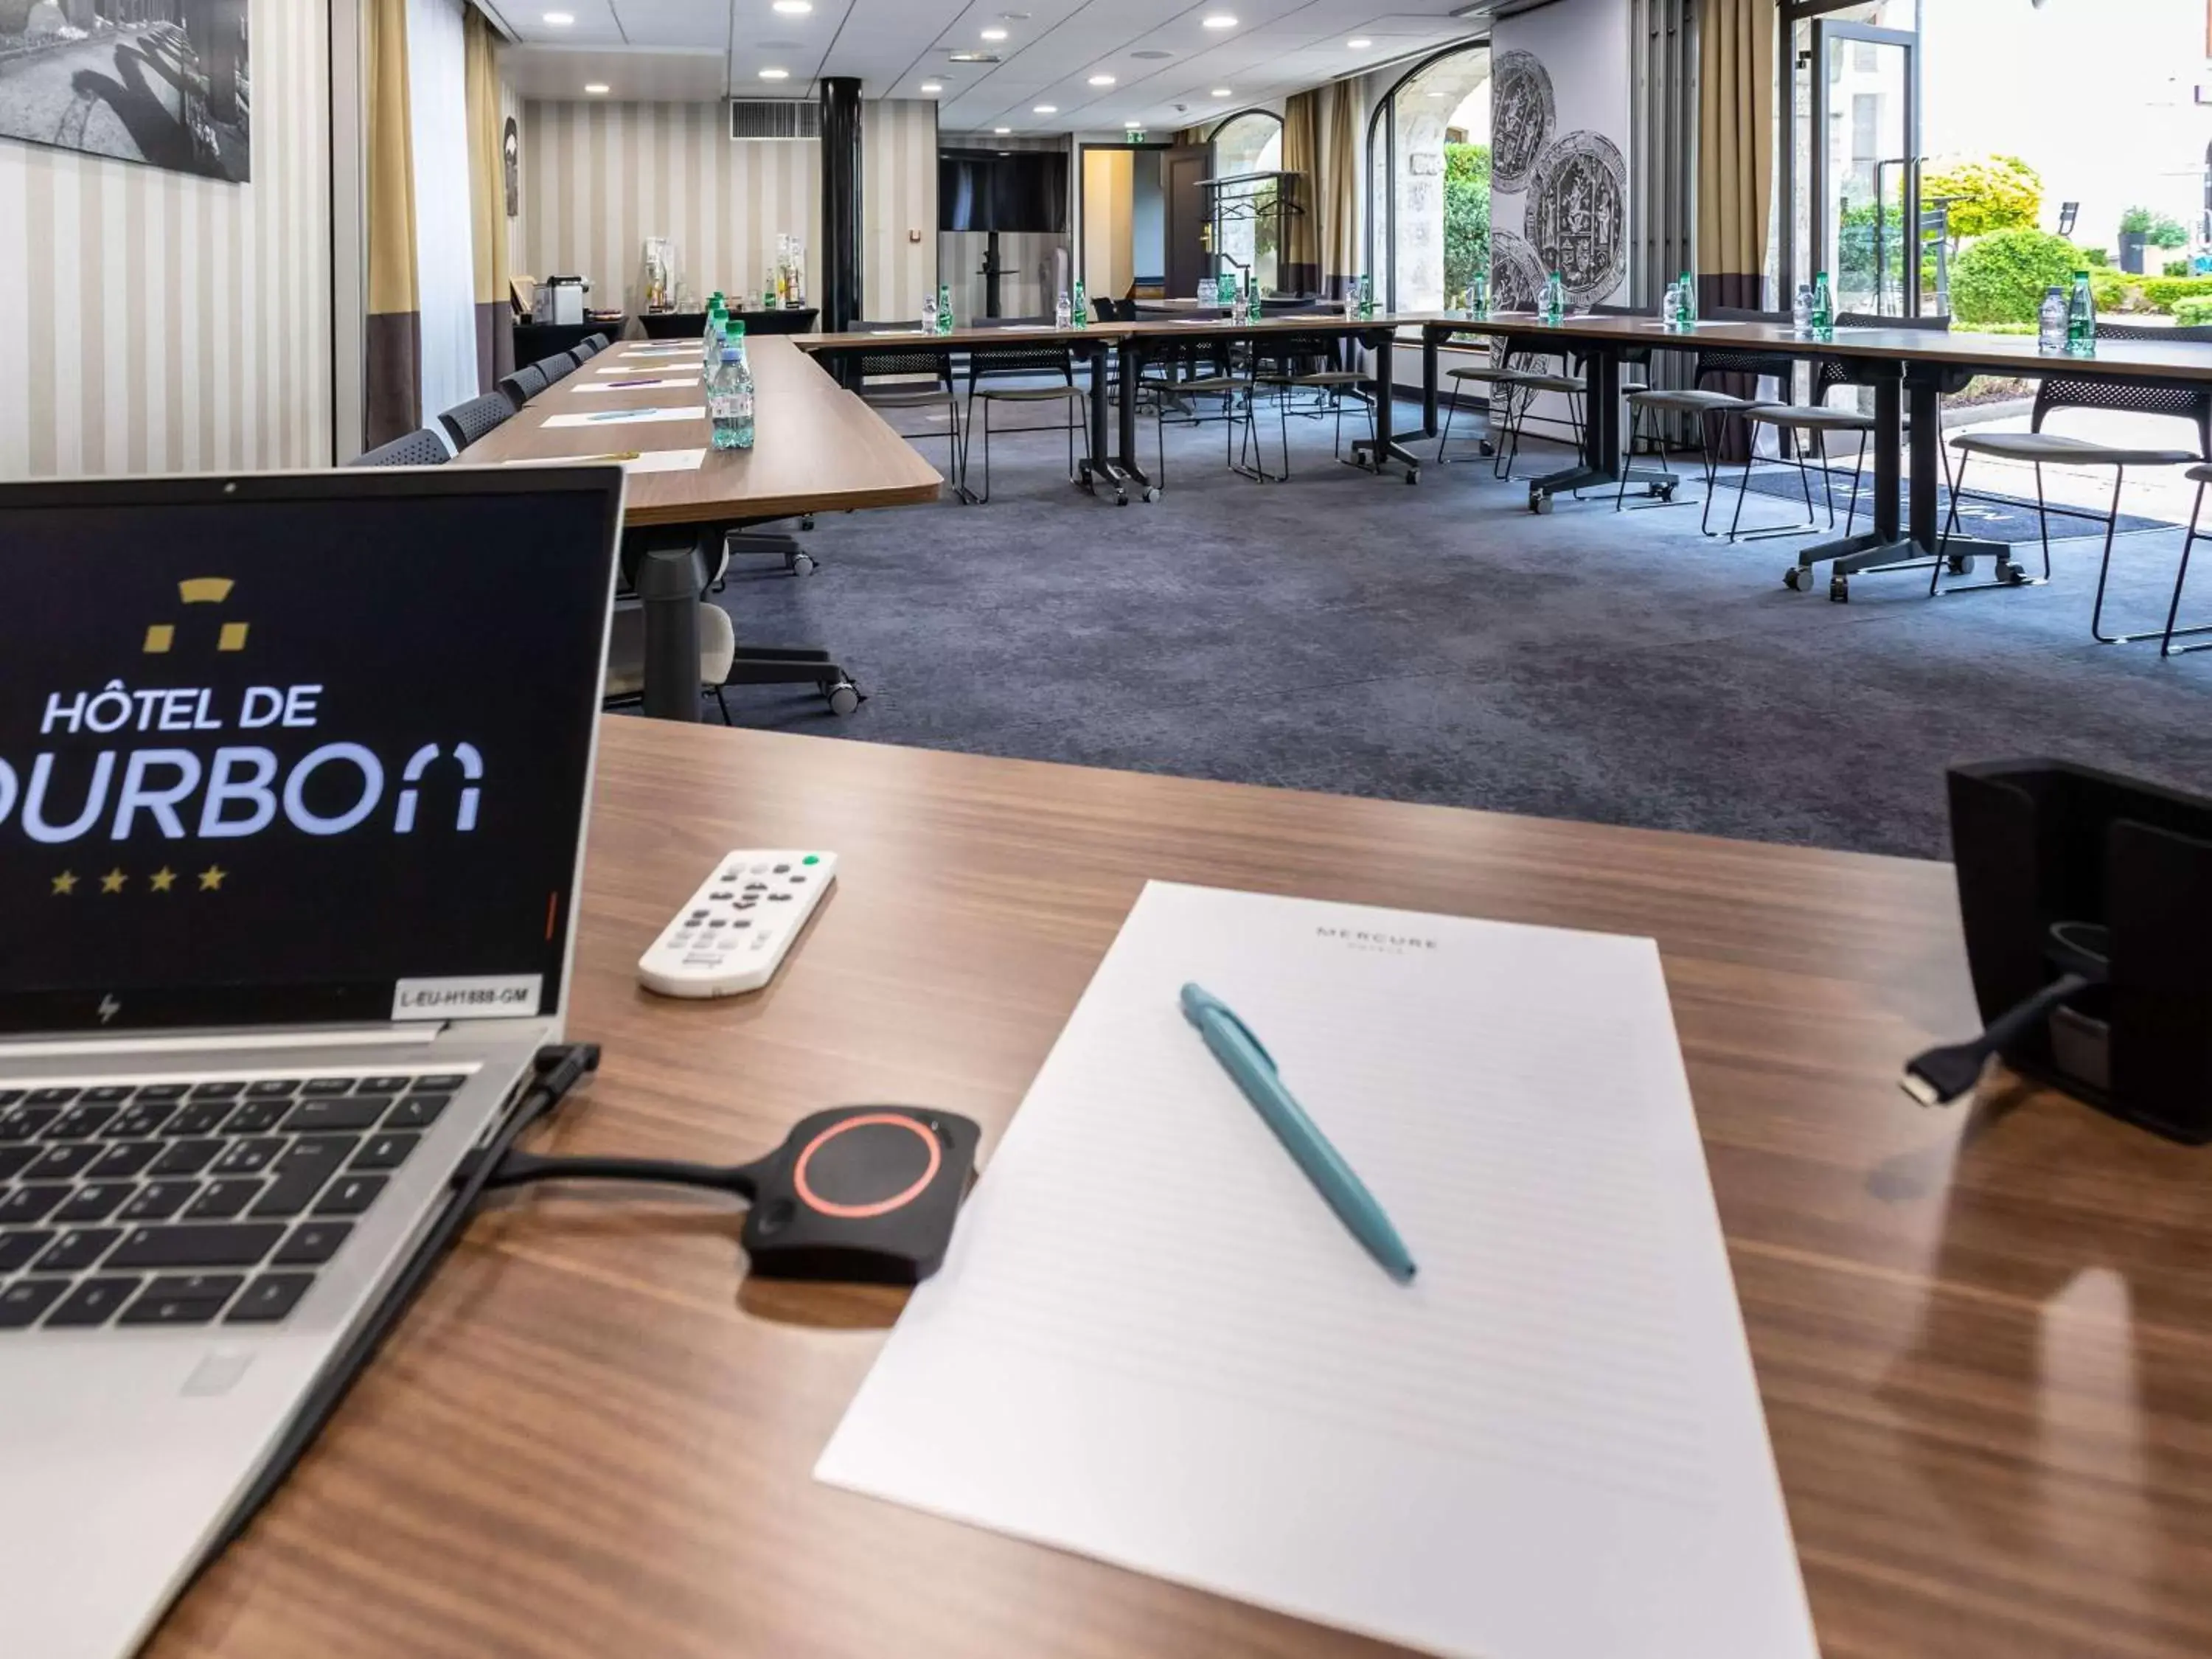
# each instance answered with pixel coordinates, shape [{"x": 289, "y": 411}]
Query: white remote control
[{"x": 739, "y": 924}]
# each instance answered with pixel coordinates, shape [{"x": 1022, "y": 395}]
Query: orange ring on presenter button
[{"x": 862, "y": 1211}]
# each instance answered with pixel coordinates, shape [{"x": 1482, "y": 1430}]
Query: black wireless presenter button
[{"x": 866, "y": 1193}]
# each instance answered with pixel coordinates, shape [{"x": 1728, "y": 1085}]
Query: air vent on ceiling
[
  {"x": 775, "y": 117},
  {"x": 1151, "y": 56},
  {"x": 974, "y": 57}
]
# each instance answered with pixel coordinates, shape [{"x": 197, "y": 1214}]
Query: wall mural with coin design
[{"x": 1560, "y": 118}]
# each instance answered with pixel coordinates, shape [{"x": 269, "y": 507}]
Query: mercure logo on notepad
[{"x": 1362, "y": 939}]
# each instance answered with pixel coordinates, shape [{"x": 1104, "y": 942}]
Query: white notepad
[
  {"x": 649, "y": 460},
  {"x": 638, "y": 383},
  {"x": 690, "y": 350},
  {"x": 628, "y": 417},
  {"x": 660, "y": 364},
  {"x": 1152, "y": 1342}
]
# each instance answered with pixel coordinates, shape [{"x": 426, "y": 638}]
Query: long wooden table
[
  {"x": 1113, "y": 460},
  {"x": 816, "y": 448},
  {"x": 1984, "y": 1342},
  {"x": 1909, "y": 368}
]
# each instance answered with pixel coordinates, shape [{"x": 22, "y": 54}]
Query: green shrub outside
[
  {"x": 2003, "y": 276},
  {"x": 2115, "y": 290},
  {"x": 2163, "y": 292},
  {"x": 2176, "y": 268},
  {"x": 1466, "y": 215},
  {"x": 2193, "y": 313},
  {"x": 1997, "y": 193}
]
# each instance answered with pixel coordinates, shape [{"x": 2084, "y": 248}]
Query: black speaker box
[{"x": 2042, "y": 842}]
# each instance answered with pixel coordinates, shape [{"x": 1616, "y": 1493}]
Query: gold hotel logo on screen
[{"x": 161, "y": 637}]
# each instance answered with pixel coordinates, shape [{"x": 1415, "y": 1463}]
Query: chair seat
[
  {"x": 2199, "y": 474},
  {"x": 1320, "y": 377},
  {"x": 718, "y": 649},
  {"x": 1216, "y": 383},
  {"x": 2079, "y": 451},
  {"x": 1566, "y": 383},
  {"x": 1810, "y": 417},
  {"x": 1691, "y": 401},
  {"x": 1028, "y": 394},
  {"x": 903, "y": 396},
  {"x": 1492, "y": 376}
]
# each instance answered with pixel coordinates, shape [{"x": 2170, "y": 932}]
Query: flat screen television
[{"x": 1008, "y": 191}]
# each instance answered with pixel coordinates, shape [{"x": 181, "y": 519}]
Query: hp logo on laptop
[{"x": 109, "y": 1007}]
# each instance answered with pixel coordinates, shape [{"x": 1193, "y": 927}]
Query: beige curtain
[
  {"x": 1735, "y": 149},
  {"x": 394, "y": 334},
  {"x": 1301, "y": 267},
  {"x": 1336, "y": 204},
  {"x": 488, "y": 205}
]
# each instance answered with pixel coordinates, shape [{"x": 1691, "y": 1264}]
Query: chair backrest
[
  {"x": 590, "y": 347},
  {"x": 466, "y": 423},
  {"x": 519, "y": 387},
  {"x": 557, "y": 368},
  {"x": 786, "y": 320},
  {"x": 421, "y": 447},
  {"x": 1743, "y": 359},
  {"x": 1031, "y": 358},
  {"x": 899, "y": 358},
  {"x": 2186, "y": 400}
]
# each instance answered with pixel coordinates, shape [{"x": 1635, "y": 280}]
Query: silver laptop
[{"x": 293, "y": 783}]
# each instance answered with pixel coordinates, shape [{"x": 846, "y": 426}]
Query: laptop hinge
[{"x": 414, "y": 1035}]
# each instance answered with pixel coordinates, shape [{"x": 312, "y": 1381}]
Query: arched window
[
  {"x": 1428, "y": 191},
  {"x": 1251, "y": 143}
]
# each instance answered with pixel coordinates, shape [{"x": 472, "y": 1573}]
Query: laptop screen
[{"x": 296, "y": 749}]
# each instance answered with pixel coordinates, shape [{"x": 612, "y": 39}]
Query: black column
[{"x": 841, "y": 202}]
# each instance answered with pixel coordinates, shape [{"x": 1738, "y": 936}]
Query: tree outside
[{"x": 1466, "y": 216}]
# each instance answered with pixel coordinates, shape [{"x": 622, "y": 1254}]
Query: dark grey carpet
[{"x": 1439, "y": 644}]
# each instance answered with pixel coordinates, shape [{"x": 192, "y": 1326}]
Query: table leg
[
  {"x": 1601, "y": 462},
  {"x": 1892, "y": 544},
  {"x": 1129, "y": 363},
  {"x": 1388, "y": 445},
  {"x": 1432, "y": 342},
  {"x": 1098, "y": 467}
]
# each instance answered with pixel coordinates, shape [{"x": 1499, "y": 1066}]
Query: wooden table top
[
  {"x": 816, "y": 448},
  {"x": 1985, "y": 1343},
  {"x": 1991, "y": 353}
]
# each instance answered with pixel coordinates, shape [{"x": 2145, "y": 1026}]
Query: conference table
[
  {"x": 1113, "y": 397},
  {"x": 1983, "y": 1339},
  {"x": 1909, "y": 368},
  {"x": 816, "y": 448}
]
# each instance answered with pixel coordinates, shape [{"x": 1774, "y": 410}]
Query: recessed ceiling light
[
  {"x": 1045, "y": 109},
  {"x": 933, "y": 86},
  {"x": 1002, "y": 131},
  {"x": 972, "y": 57},
  {"x": 559, "y": 20},
  {"x": 1359, "y": 43},
  {"x": 1221, "y": 20},
  {"x": 995, "y": 34},
  {"x": 1151, "y": 55},
  {"x": 1102, "y": 80},
  {"x": 595, "y": 88},
  {"x": 793, "y": 7},
  {"x": 1221, "y": 92},
  {"x": 776, "y": 75}
]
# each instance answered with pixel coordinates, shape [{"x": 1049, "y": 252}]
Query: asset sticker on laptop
[{"x": 469, "y": 996}]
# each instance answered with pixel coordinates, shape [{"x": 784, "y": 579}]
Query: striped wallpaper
[
  {"x": 154, "y": 321},
  {"x": 598, "y": 178}
]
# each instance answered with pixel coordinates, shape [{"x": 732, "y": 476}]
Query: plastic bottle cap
[{"x": 737, "y": 327}]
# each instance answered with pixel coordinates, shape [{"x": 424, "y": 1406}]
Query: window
[
  {"x": 1250, "y": 143},
  {"x": 1428, "y": 191}
]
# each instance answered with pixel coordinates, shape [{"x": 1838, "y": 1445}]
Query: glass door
[{"x": 1864, "y": 142}]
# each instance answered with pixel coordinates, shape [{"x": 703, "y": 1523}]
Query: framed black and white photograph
[{"x": 165, "y": 82}]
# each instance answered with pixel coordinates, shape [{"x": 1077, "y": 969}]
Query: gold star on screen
[{"x": 163, "y": 880}]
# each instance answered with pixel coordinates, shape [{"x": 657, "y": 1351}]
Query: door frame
[
  {"x": 1826, "y": 28},
  {"x": 1083, "y": 148}
]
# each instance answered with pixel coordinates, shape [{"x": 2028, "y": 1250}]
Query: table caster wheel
[
  {"x": 1121, "y": 498},
  {"x": 1413, "y": 475},
  {"x": 1151, "y": 494},
  {"x": 800, "y": 564},
  {"x": 1662, "y": 492},
  {"x": 842, "y": 697},
  {"x": 2013, "y": 575},
  {"x": 1539, "y": 504},
  {"x": 1488, "y": 448},
  {"x": 1840, "y": 590},
  {"x": 806, "y": 521},
  {"x": 1961, "y": 564},
  {"x": 1793, "y": 578}
]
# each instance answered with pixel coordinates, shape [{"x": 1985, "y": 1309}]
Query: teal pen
[{"x": 1252, "y": 1068}]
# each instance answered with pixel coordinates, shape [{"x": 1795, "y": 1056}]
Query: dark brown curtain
[
  {"x": 1735, "y": 149},
  {"x": 1336, "y": 204},
  {"x": 488, "y": 206},
  {"x": 394, "y": 341},
  {"x": 1301, "y": 258}
]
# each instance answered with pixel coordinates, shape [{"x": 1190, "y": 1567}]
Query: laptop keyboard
[{"x": 191, "y": 1203}]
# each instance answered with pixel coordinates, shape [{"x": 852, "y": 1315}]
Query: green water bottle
[
  {"x": 2081, "y": 318},
  {"x": 1079, "y": 308},
  {"x": 1823, "y": 307}
]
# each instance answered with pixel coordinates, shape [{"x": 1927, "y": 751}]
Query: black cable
[
  {"x": 559, "y": 1070},
  {"x": 522, "y": 1169}
]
